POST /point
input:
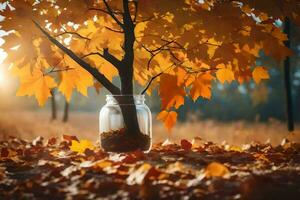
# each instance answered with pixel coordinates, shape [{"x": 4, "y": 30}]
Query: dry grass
[{"x": 29, "y": 125}]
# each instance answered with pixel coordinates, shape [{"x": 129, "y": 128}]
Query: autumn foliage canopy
[{"x": 187, "y": 43}]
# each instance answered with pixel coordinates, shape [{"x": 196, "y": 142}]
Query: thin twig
[
  {"x": 72, "y": 33},
  {"x": 111, "y": 13},
  {"x": 113, "y": 30},
  {"x": 201, "y": 70},
  {"x": 107, "y": 56},
  {"x": 58, "y": 70},
  {"x": 150, "y": 82},
  {"x": 105, "y": 11},
  {"x": 154, "y": 77},
  {"x": 135, "y": 2}
]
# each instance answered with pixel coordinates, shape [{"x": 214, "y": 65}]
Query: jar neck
[{"x": 125, "y": 99}]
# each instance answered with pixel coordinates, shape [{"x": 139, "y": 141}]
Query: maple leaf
[
  {"x": 275, "y": 49},
  {"x": 36, "y": 84},
  {"x": 260, "y": 73},
  {"x": 171, "y": 94},
  {"x": 81, "y": 146},
  {"x": 169, "y": 118},
  {"x": 75, "y": 77},
  {"x": 225, "y": 74},
  {"x": 201, "y": 87}
]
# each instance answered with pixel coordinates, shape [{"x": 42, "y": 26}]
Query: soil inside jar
[{"x": 121, "y": 141}]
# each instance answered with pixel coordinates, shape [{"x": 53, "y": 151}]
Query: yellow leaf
[
  {"x": 216, "y": 169},
  {"x": 75, "y": 78},
  {"x": 169, "y": 118},
  {"x": 260, "y": 73},
  {"x": 36, "y": 84},
  {"x": 225, "y": 74},
  {"x": 103, "y": 164},
  {"x": 139, "y": 29},
  {"x": 81, "y": 146},
  {"x": 234, "y": 148}
]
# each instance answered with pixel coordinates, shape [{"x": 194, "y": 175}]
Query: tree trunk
[
  {"x": 66, "y": 112},
  {"x": 126, "y": 74},
  {"x": 129, "y": 113},
  {"x": 287, "y": 81},
  {"x": 127, "y": 104},
  {"x": 53, "y": 105}
]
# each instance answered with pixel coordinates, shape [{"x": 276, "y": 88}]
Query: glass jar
[{"x": 133, "y": 134}]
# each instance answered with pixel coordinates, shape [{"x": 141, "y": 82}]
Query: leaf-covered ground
[{"x": 72, "y": 169}]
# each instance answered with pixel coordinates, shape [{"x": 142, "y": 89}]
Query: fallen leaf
[
  {"x": 186, "y": 145},
  {"x": 216, "y": 169},
  {"x": 4, "y": 152},
  {"x": 70, "y": 138},
  {"x": 137, "y": 177},
  {"x": 81, "y": 146}
]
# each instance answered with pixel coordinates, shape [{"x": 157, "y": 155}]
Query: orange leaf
[
  {"x": 225, "y": 74},
  {"x": 36, "y": 84},
  {"x": 216, "y": 169},
  {"x": 170, "y": 92},
  {"x": 202, "y": 86},
  {"x": 260, "y": 73},
  {"x": 169, "y": 118}
]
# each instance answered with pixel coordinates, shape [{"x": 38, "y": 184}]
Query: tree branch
[
  {"x": 113, "y": 30},
  {"x": 105, "y": 11},
  {"x": 108, "y": 57},
  {"x": 53, "y": 70},
  {"x": 150, "y": 82},
  {"x": 111, "y": 13},
  {"x": 100, "y": 10},
  {"x": 127, "y": 17},
  {"x": 72, "y": 33},
  {"x": 155, "y": 77},
  {"x": 136, "y": 4},
  {"x": 93, "y": 71},
  {"x": 156, "y": 51},
  {"x": 203, "y": 70}
]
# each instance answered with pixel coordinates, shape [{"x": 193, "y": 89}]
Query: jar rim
[
  {"x": 125, "y": 99},
  {"x": 125, "y": 95}
]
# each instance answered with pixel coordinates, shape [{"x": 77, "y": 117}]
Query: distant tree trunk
[
  {"x": 66, "y": 112},
  {"x": 53, "y": 105},
  {"x": 287, "y": 81}
]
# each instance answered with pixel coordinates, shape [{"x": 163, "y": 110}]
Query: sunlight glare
[
  {"x": 1, "y": 77},
  {"x": 2, "y": 74}
]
